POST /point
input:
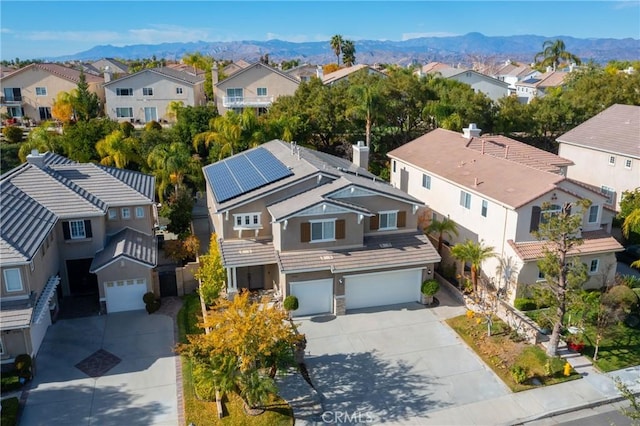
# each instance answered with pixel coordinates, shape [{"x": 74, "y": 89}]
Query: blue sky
[{"x": 32, "y": 29}]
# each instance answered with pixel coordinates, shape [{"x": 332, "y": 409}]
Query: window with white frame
[
  {"x": 612, "y": 160},
  {"x": 388, "y": 220},
  {"x": 628, "y": 163},
  {"x": 113, "y": 214},
  {"x": 178, "y": 90},
  {"x": 549, "y": 211},
  {"x": 12, "y": 280},
  {"x": 124, "y": 112},
  {"x": 593, "y": 266},
  {"x": 485, "y": 207},
  {"x": 139, "y": 212},
  {"x": 147, "y": 91},
  {"x": 41, "y": 91},
  {"x": 120, "y": 91},
  {"x": 235, "y": 94},
  {"x": 125, "y": 212},
  {"x": 593, "y": 213},
  {"x": 426, "y": 181},
  {"x": 262, "y": 91},
  {"x": 323, "y": 230},
  {"x": 609, "y": 192},
  {"x": 246, "y": 220},
  {"x": 465, "y": 199},
  {"x": 76, "y": 229}
]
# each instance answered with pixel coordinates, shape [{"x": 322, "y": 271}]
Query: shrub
[
  {"x": 519, "y": 374},
  {"x": 10, "y": 411},
  {"x": 621, "y": 297},
  {"x": 153, "y": 306},
  {"x": 524, "y": 304},
  {"x": 430, "y": 287},
  {"x": 290, "y": 303},
  {"x": 13, "y": 134},
  {"x": 23, "y": 364},
  {"x": 152, "y": 125},
  {"x": 127, "y": 128},
  {"x": 148, "y": 298}
]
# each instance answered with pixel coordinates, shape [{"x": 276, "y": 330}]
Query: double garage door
[
  {"x": 361, "y": 291},
  {"x": 125, "y": 295}
]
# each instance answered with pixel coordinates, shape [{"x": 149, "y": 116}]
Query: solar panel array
[{"x": 244, "y": 172}]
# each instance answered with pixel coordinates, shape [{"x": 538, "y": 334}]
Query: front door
[{"x": 81, "y": 281}]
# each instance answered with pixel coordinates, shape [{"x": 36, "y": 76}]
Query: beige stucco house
[
  {"x": 494, "y": 189},
  {"x": 490, "y": 86},
  {"x": 537, "y": 86},
  {"x": 71, "y": 229},
  {"x": 256, "y": 86},
  {"x": 30, "y": 91},
  {"x": 606, "y": 151},
  {"x": 146, "y": 95},
  {"x": 318, "y": 227}
]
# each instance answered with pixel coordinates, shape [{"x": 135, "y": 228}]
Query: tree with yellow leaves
[{"x": 245, "y": 345}]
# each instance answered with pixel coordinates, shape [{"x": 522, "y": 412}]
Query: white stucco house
[
  {"x": 490, "y": 86},
  {"x": 606, "y": 151},
  {"x": 494, "y": 188}
]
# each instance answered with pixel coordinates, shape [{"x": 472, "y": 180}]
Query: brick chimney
[
  {"x": 472, "y": 131},
  {"x": 36, "y": 159},
  {"x": 361, "y": 155}
]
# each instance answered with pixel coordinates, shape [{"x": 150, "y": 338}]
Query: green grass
[
  {"x": 619, "y": 349},
  {"x": 204, "y": 413},
  {"x": 500, "y": 352},
  {"x": 9, "y": 412}
]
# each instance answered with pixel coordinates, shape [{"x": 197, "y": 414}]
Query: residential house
[
  {"x": 492, "y": 87},
  {"x": 306, "y": 72},
  {"x": 305, "y": 223},
  {"x": 30, "y": 91},
  {"x": 606, "y": 151},
  {"x": 343, "y": 73},
  {"x": 495, "y": 189},
  {"x": 511, "y": 73},
  {"x": 234, "y": 67},
  {"x": 256, "y": 86},
  {"x": 71, "y": 229},
  {"x": 115, "y": 67},
  {"x": 537, "y": 86},
  {"x": 146, "y": 95}
]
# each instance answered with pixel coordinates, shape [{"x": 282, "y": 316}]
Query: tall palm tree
[
  {"x": 171, "y": 164},
  {"x": 197, "y": 61},
  {"x": 348, "y": 53},
  {"x": 446, "y": 226},
  {"x": 117, "y": 149},
  {"x": 474, "y": 253},
  {"x": 225, "y": 131},
  {"x": 367, "y": 100},
  {"x": 553, "y": 54},
  {"x": 336, "y": 45}
]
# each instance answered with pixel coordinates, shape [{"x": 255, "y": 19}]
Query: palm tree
[
  {"x": 225, "y": 131},
  {"x": 446, "y": 226},
  {"x": 348, "y": 53},
  {"x": 336, "y": 45},
  {"x": 171, "y": 164},
  {"x": 632, "y": 224},
  {"x": 474, "y": 253},
  {"x": 197, "y": 61},
  {"x": 42, "y": 139},
  {"x": 117, "y": 149},
  {"x": 553, "y": 53},
  {"x": 367, "y": 100}
]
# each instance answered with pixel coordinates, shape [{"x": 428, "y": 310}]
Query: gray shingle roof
[
  {"x": 166, "y": 72},
  {"x": 236, "y": 253},
  {"x": 24, "y": 224},
  {"x": 129, "y": 244},
  {"x": 140, "y": 182},
  {"x": 378, "y": 252},
  {"x": 615, "y": 130}
]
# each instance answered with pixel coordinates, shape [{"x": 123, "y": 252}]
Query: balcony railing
[
  {"x": 14, "y": 100},
  {"x": 244, "y": 101}
]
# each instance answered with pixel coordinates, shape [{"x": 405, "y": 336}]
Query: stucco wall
[{"x": 123, "y": 270}]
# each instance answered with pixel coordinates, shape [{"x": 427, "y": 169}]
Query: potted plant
[
  {"x": 576, "y": 343},
  {"x": 428, "y": 289},
  {"x": 290, "y": 304}
]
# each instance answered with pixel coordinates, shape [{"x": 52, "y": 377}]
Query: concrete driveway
[
  {"x": 116, "y": 369},
  {"x": 393, "y": 365}
]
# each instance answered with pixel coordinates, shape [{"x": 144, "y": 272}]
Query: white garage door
[
  {"x": 382, "y": 288},
  {"x": 314, "y": 297},
  {"x": 125, "y": 295}
]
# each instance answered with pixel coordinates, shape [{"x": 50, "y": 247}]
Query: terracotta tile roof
[
  {"x": 615, "y": 130},
  {"x": 519, "y": 152},
  {"x": 345, "y": 72},
  {"x": 548, "y": 79},
  {"x": 16, "y": 314},
  {"x": 433, "y": 67},
  {"x": 445, "y": 153},
  {"x": 127, "y": 244},
  {"x": 255, "y": 65},
  {"x": 380, "y": 251},
  {"x": 237, "y": 253},
  {"x": 61, "y": 71},
  {"x": 594, "y": 242}
]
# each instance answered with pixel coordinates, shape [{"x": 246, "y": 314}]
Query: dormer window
[{"x": 246, "y": 220}]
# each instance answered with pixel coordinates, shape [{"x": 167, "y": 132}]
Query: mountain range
[{"x": 465, "y": 49}]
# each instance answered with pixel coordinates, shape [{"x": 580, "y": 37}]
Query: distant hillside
[{"x": 472, "y": 47}]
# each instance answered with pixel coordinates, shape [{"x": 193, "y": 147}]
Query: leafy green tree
[
  {"x": 192, "y": 120},
  {"x": 475, "y": 254},
  {"x": 244, "y": 343},
  {"x": 211, "y": 273},
  {"x": 336, "y": 45},
  {"x": 178, "y": 210},
  {"x": 79, "y": 139},
  {"x": 86, "y": 104},
  {"x": 563, "y": 273},
  {"x": 440, "y": 228},
  {"x": 348, "y": 53},
  {"x": 553, "y": 54},
  {"x": 512, "y": 116},
  {"x": 197, "y": 61},
  {"x": 171, "y": 164},
  {"x": 42, "y": 139},
  {"x": 13, "y": 134}
]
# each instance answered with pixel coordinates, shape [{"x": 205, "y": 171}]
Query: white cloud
[
  {"x": 625, "y": 4},
  {"x": 5, "y": 31},
  {"x": 73, "y": 36},
  {"x": 409, "y": 36}
]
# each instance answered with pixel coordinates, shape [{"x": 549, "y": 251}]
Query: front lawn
[
  {"x": 204, "y": 413},
  {"x": 9, "y": 412},
  {"x": 509, "y": 357}
]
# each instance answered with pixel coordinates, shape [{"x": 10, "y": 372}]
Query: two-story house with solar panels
[{"x": 319, "y": 227}]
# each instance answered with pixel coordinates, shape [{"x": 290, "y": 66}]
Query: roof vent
[
  {"x": 326, "y": 257},
  {"x": 472, "y": 131},
  {"x": 386, "y": 245},
  {"x": 36, "y": 159}
]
